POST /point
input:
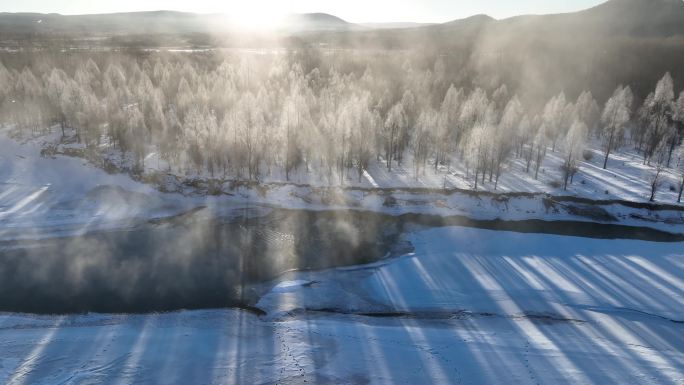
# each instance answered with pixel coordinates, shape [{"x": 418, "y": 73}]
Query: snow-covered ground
[
  {"x": 467, "y": 307},
  {"x": 626, "y": 178},
  {"x": 66, "y": 195}
]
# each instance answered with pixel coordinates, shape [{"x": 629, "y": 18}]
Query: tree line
[{"x": 249, "y": 116}]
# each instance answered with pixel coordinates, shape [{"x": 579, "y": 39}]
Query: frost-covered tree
[
  {"x": 523, "y": 135},
  {"x": 659, "y": 159},
  {"x": 394, "y": 125},
  {"x": 540, "y": 147},
  {"x": 428, "y": 123},
  {"x": 679, "y": 108},
  {"x": 573, "y": 146},
  {"x": 658, "y": 114},
  {"x": 616, "y": 115},
  {"x": 478, "y": 149},
  {"x": 293, "y": 120},
  {"x": 528, "y": 154},
  {"x": 6, "y": 82},
  {"x": 555, "y": 117},
  {"x": 680, "y": 167},
  {"x": 449, "y": 132},
  {"x": 410, "y": 107},
  {"x": 54, "y": 87},
  {"x": 500, "y": 97},
  {"x": 133, "y": 137},
  {"x": 503, "y": 137},
  {"x": 245, "y": 116},
  {"x": 587, "y": 111}
]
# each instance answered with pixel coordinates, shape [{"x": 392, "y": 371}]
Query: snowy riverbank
[
  {"x": 522, "y": 308},
  {"x": 61, "y": 195}
]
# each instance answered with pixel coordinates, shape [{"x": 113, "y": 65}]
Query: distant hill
[
  {"x": 614, "y": 18},
  {"x": 317, "y": 22},
  {"x": 395, "y": 25},
  {"x": 157, "y": 22},
  {"x": 620, "y": 41},
  {"x": 635, "y": 18}
]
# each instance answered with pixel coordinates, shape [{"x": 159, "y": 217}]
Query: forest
[{"x": 247, "y": 115}]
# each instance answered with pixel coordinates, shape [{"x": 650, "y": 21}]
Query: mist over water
[
  {"x": 193, "y": 261},
  {"x": 198, "y": 260}
]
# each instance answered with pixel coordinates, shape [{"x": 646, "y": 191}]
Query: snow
[
  {"x": 518, "y": 308},
  {"x": 467, "y": 306},
  {"x": 40, "y": 192},
  {"x": 43, "y": 196},
  {"x": 286, "y": 286},
  {"x": 626, "y": 178},
  {"x": 512, "y": 274}
]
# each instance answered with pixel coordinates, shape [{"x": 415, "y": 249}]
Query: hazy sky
[{"x": 351, "y": 10}]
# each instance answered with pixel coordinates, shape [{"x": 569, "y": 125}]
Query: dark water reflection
[
  {"x": 197, "y": 261},
  {"x": 193, "y": 261}
]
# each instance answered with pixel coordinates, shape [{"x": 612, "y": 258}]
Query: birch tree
[
  {"x": 394, "y": 125},
  {"x": 574, "y": 145},
  {"x": 680, "y": 168},
  {"x": 616, "y": 115},
  {"x": 659, "y": 115}
]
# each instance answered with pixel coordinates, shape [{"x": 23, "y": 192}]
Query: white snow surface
[
  {"x": 468, "y": 306},
  {"x": 479, "y": 307}
]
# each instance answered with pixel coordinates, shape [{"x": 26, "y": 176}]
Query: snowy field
[{"x": 523, "y": 308}]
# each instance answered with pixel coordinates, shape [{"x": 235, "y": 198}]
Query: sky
[{"x": 351, "y": 10}]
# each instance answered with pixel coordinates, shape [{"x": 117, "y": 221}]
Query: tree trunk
[
  {"x": 681, "y": 190},
  {"x": 654, "y": 187},
  {"x": 610, "y": 144},
  {"x": 537, "y": 164},
  {"x": 498, "y": 174},
  {"x": 673, "y": 145}
]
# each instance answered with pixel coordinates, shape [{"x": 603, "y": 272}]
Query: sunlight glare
[{"x": 255, "y": 16}]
